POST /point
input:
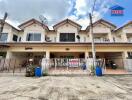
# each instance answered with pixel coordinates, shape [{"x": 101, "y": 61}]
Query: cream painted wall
[
  {"x": 120, "y": 36},
  {"x": 99, "y": 28},
  {"x": 53, "y": 36},
  {"x": 67, "y": 28},
  {"x": 102, "y": 29},
  {"x": 8, "y": 29},
  {"x": 34, "y": 28},
  {"x": 84, "y": 37}
]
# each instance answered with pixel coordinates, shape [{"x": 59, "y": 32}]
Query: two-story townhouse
[
  {"x": 67, "y": 40},
  {"x": 124, "y": 34},
  {"x": 9, "y": 34}
]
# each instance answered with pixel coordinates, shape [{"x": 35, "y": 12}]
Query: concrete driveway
[{"x": 66, "y": 88}]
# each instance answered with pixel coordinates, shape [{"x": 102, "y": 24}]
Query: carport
[
  {"x": 114, "y": 57},
  {"x": 25, "y": 56}
]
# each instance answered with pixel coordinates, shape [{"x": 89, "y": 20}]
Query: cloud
[
  {"x": 84, "y": 7},
  {"x": 53, "y": 10},
  {"x": 21, "y": 10}
]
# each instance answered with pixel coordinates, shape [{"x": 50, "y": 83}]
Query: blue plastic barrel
[
  {"x": 38, "y": 72},
  {"x": 98, "y": 71}
]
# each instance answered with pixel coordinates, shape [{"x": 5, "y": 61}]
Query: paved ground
[{"x": 66, "y": 88}]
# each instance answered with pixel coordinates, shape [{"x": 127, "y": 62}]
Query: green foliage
[{"x": 30, "y": 71}]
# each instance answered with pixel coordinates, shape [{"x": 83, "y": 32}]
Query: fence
[
  {"x": 12, "y": 65},
  {"x": 19, "y": 65},
  {"x": 128, "y": 64},
  {"x": 66, "y": 63}
]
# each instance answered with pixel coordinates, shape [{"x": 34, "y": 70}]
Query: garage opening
[
  {"x": 2, "y": 54},
  {"x": 113, "y": 60}
]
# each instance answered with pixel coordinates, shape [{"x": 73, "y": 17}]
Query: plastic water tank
[
  {"x": 98, "y": 71},
  {"x": 38, "y": 72}
]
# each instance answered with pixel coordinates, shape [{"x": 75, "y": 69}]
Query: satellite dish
[{"x": 43, "y": 19}]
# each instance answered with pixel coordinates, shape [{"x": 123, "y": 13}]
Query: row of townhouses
[{"x": 66, "y": 40}]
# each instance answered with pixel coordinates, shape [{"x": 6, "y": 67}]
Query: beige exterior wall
[
  {"x": 34, "y": 28},
  {"x": 84, "y": 37},
  {"x": 126, "y": 33},
  {"x": 8, "y": 29},
  {"x": 67, "y": 28},
  {"x": 100, "y": 30},
  {"x": 52, "y": 36}
]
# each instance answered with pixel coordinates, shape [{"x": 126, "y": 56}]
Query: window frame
[
  {"x": 1, "y": 40},
  {"x": 33, "y": 37},
  {"x": 67, "y": 37}
]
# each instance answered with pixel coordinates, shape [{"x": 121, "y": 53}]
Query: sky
[{"x": 58, "y": 10}]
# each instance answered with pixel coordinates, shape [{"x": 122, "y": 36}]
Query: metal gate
[{"x": 13, "y": 65}]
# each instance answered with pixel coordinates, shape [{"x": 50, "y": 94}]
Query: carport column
[
  {"x": 125, "y": 55},
  {"x": 9, "y": 55},
  {"x": 47, "y": 54},
  {"x": 86, "y": 55}
]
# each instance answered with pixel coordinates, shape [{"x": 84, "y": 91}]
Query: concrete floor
[{"x": 66, "y": 88}]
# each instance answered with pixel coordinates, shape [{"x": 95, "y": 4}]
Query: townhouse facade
[{"x": 66, "y": 40}]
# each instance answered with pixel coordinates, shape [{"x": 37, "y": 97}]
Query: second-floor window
[
  {"x": 33, "y": 37},
  {"x": 4, "y": 37},
  {"x": 67, "y": 37}
]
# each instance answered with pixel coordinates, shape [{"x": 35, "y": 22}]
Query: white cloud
[
  {"x": 53, "y": 10},
  {"x": 22, "y": 10},
  {"x": 84, "y": 7},
  {"x": 81, "y": 7}
]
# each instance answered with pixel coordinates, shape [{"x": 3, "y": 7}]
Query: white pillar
[
  {"x": 86, "y": 55},
  {"x": 47, "y": 55},
  {"x": 8, "y": 55},
  {"x": 125, "y": 54}
]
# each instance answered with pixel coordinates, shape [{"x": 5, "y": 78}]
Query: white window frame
[{"x": 33, "y": 37}]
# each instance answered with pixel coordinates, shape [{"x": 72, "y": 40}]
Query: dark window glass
[
  {"x": 130, "y": 54},
  {"x": 67, "y": 37},
  {"x": 37, "y": 37},
  {"x": 19, "y": 38},
  {"x": 15, "y": 37},
  {"x": 33, "y": 37},
  {"x": 4, "y": 37}
]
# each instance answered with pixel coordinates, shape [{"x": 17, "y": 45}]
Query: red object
[{"x": 116, "y": 11}]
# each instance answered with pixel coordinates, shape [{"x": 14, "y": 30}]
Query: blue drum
[
  {"x": 98, "y": 71},
  {"x": 38, "y": 72}
]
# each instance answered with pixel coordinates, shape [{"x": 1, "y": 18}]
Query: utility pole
[
  {"x": 2, "y": 23},
  {"x": 93, "y": 45}
]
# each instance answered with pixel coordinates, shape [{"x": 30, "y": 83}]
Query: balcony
[
  {"x": 130, "y": 40},
  {"x": 101, "y": 40}
]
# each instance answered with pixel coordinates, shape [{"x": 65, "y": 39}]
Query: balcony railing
[
  {"x": 101, "y": 40},
  {"x": 130, "y": 40}
]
